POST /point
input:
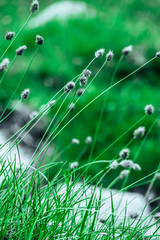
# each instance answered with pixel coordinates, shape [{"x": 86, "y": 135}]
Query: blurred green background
[{"x": 70, "y": 44}]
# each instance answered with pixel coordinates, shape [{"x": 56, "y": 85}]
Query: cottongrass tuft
[
  {"x": 75, "y": 141},
  {"x": 73, "y": 165},
  {"x": 34, "y": 6},
  {"x": 25, "y": 94},
  {"x": 70, "y": 85},
  {"x": 114, "y": 164},
  {"x": 83, "y": 80},
  {"x": 124, "y": 153},
  {"x": 99, "y": 53},
  {"x": 20, "y": 50},
  {"x": 126, "y": 163},
  {"x": 109, "y": 56},
  {"x": 9, "y": 35},
  {"x": 136, "y": 167},
  {"x": 4, "y": 64},
  {"x": 87, "y": 73},
  {"x": 149, "y": 109},
  {"x": 123, "y": 174},
  {"x": 39, "y": 40},
  {"x": 127, "y": 50},
  {"x": 80, "y": 92},
  {"x": 52, "y": 103},
  {"x": 88, "y": 140},
  {"x": 158, "y": 54},
  {"x": 139, "y": 132}
]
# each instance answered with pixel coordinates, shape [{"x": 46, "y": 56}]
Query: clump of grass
[{"x": 69, "y": 205}]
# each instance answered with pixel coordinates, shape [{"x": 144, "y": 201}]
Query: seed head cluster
[
  {"x": 127, "y": 50},
  {"x": 88, "y": 140},
  {"x": 123, "y": 174},
  {"x": 70, "y": 85},
  {"x": 126, "y": 163},
  {"x": 136, "y": 167},
  {"x": 124, "y": 153},
  {"x": 73, "y": 165},
  {"x": 20, "y": 50},
  {"x": 114, "y": 164},
  {"x": 84, "y": 78},
  {"x": 80, "y": 92},
  {"x": 149, "y": 109},
  {"x": 75, "y": 141},
  {"x": 39, "y": 40},
  {"x": 139, "y": 132},
  {"x": 25, "y": 94},
  {"x": 4, "y": 64},
  {"x": 34, "y": 6},
  {"x": 9, "y": 35},
  {"x": 99, "y": 53}
]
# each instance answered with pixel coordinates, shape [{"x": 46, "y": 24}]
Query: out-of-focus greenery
[{"x": 69, "y": 47}]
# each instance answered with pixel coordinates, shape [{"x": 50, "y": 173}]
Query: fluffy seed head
[
  {"x": 127, "y": 50},
  {"x": 39, "y": 40},
  {"x": 109, "y": 56},
  {"x": 71, "y": 85},
  {"x": 123, "y": 174},
  {"x": 9, "y": 35},
  {"x": 139, "y": 132},
  {"x": 99, "y": 53},
  {"x": 124, "y": 153},
  {"x": 66, "y": 89},
  {"x": 158, "y": 54},
  {"x": 75, "y": 141},
  {"x": 136, "y": 167},
  {"x": 83, "y": 80},
  {"x": 80, "y": 92},
  {"x": 114, "y": 164},
  {"x": 73, "y": 165},
  {"x": 88, "y": 140},
  {"x": 149, "y": 109},
  {"x": 87, "y": 73},
  {"x": 20, "y": 50},
  {"x": 52, "y": 103},
  {"x": 25, "y": 94},
  {"x": 126, "y": 163},
  {"x": 71, "y": 106},
  {"x": 4, "y": 64},
  {"x": 33, "y": 114},
  {"x": 34, "y": 6}
]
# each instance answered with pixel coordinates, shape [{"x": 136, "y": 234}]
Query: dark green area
[{"x": 69, "y": 47}]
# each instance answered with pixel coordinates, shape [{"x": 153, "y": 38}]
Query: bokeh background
[{"x": 70, "y": 42}]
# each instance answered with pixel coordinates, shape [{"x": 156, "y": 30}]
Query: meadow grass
[{"x": 69, "y": 204}]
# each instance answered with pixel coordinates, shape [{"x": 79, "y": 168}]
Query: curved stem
[
  {"x": 4, "y": 75},
  {"x": 11, "y": 111}
]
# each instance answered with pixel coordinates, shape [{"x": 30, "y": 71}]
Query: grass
[{"x": 46, "y": 198}]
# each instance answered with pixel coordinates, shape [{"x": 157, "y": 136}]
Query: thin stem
[
  {"x": 20, "y": 82},
  {"x": 11, "y": 111},
  {"x": 4, "y": 75},
  {"x": 16, "y": 36},
  {"x": 2, "y": 43}
]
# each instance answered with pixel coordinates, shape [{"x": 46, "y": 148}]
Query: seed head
[
  {"x": 88, "y": 140},
  {"x": 83, "y": 80},
  {"x": 80, "y": 92},
  {"x": 75, "y": 141},
  {"x": 72, "y": 106},
  {"x": 124, "y": 153},
  {"x": 109, "y": 56},
  {"x": 126, "y": 163},
  {"x": 139, "y": 132},
  {"x": 127, "y": 50},
  {"x": 52, "y": 103},
  {"x": 114, "y": 164},
  {"x": 70, "y": 85},
  {"x": 87, "y": 73},
  {"x": 9, "y": 35},
  {"x": 39, "y": 40},
  {"x": 34, "y": 6},
  {"x": 66, "y": 89},
  {"x": 99, "y": 53},
  {"x": 136, "y": 167},
  {"x": 25, "y": 94},
  {"x": 20, "y": 50},
  {"x": 4, "y": 64},
  {"x": 73, "y": 165},
  {"x": 158, "y": 54},
  {"x": 33, "y": 114},
  {"x": 123, "y": 174},
  {"x": 149, "y": 109}
]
